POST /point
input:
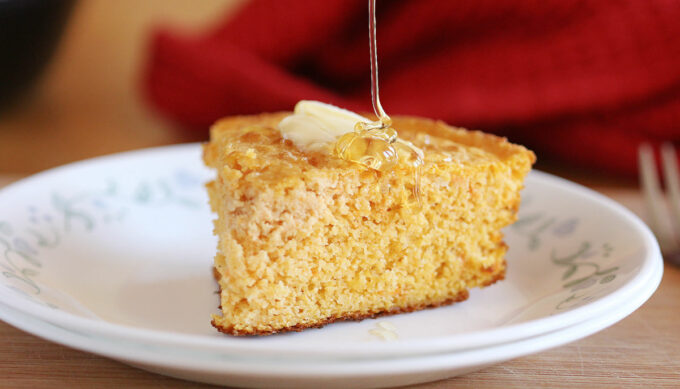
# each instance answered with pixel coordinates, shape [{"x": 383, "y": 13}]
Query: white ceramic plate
[
  {"x": 121, "y": 247},
  {"x": 232, "y": 370}
]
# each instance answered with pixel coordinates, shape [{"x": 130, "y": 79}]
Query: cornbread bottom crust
[{"x": 354, "y": 316}]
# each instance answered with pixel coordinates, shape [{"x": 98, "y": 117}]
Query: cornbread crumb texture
[{"x": 306, "y": 238}]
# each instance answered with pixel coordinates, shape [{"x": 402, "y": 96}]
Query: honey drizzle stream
[
  {"x": 376, "y": 144},
  {"x": 385, "y": 120}
]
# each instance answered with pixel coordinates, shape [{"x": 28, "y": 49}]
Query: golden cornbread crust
[
  {"x": 462, "y": 296},
  {"x": 306, "y": 239}
]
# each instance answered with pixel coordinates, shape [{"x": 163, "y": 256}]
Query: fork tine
[
  {"x": 652, "y": 194},
  {"x": 672, "y": 178}
]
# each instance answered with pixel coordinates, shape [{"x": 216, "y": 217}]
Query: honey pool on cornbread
[{"x": 306, "y": 238}]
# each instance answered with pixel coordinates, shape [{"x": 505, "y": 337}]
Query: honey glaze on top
[
  {"x": 380, "y": 149},
  {"x": 373, "y": 144},
  {"x": 376, "y": 145}
]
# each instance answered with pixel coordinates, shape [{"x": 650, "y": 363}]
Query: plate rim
[
  {"x": 459, "y": 341},
  {"x": 350, "y": 368}
]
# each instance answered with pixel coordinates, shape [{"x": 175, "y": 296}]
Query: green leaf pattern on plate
[
  {"x": 581, "y": 263},
  {"x": 45, "y": 228}
]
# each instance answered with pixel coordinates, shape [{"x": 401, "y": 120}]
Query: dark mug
[{"x": 29, "y": 32}]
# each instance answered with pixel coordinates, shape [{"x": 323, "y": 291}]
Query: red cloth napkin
[{"x": 585, "y": 81}]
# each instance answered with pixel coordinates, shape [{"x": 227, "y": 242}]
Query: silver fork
[{"x": 664, "y": 224}]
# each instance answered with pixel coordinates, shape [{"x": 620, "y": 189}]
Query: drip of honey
[{"x": 376, "y": 145}]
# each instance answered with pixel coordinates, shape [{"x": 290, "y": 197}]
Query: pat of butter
[{"x": 314, "y": 125}]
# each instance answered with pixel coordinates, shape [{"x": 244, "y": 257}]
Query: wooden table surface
[{"x": 88, "y": 104}]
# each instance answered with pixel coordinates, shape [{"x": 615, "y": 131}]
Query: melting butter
[
  {"x": 374, "y": 144},
  {"x": 314, "y": 125}
]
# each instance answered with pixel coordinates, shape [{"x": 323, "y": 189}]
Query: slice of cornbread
[{"x": 306, "y": 239}]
